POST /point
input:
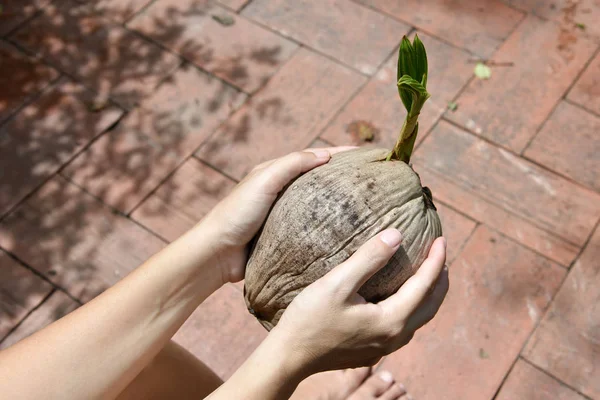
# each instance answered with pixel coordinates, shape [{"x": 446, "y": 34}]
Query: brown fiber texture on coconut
[{"x": 325, "y": 215}]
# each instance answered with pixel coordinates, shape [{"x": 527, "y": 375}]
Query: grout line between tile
[
  {"x": 21, "y": 24},
  {"x": 201, "y": 161},
  {"x": 360, "y": 88},
  {"x": 22, "y": 320},
  {"x": 30, "y": 99},
  {"x": 550, "y": 303},
  {"x": 467, "y": 240},
  {"x": 300, "y": 44},
  {"x": 560, "y": 381},
  {"x": 243, "y": 7},
  {"x": 513, "y": 153},
  {"x": 441, "y": 38},
  {"x": 532, "y": 222},
  {"x": 560, "y": 99},
  {"x": 137, "y": 13},
  {"x": 581, "y": 107}
]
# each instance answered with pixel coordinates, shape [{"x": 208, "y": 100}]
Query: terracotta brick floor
[{"x": 123, "y": 122}]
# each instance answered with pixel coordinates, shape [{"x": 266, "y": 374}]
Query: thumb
[{"x": 368, "y": 259}]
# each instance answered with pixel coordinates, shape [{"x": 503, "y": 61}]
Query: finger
[
  {"x": 404, "y": 302},
  {"x": 368, "y": 259},
  {"x": 430, "y": 306},
  {"x": 330, "y": 150},
  {"x": 280, "y": 172},
  {"x": 333, "y": 150}
]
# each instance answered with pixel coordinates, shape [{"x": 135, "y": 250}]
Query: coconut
[{"x": 321, "y": 218}]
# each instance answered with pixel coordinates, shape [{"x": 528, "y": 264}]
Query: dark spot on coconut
[
  {"x": 371, "y": 185},
  {"x": 354, "y": 219},
  {"x": 346, "y": 205},
  {"x": 314, "y": 216}
]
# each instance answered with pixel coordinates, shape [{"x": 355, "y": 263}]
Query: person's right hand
[{"x": 330, "y": 326}]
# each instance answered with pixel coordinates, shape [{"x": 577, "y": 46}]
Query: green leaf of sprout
[
  {"x": 405, "y": 67},
  {"x": 420, "y": 61}
]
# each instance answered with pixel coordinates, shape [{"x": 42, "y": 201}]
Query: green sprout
[{"x": 412, "y": 83}]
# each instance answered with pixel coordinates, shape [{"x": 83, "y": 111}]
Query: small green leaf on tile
[
  {"x": 580, "y": 25},
  {"x": 482, "y": 71},
  {"x": 224, "y": 19},
  {"x": 483, "y": 354},
  {"x": 452, "y": 106}
]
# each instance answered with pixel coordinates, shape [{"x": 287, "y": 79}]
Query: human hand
[
  {"x": 329, "y": 326},
  {"x": 238, "y": 217}
]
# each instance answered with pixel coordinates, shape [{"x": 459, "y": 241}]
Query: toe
[
  {"x": 357, "y": 375},
  {"x": 375, "y": 386},
  {"x": 394, "y": 392}
]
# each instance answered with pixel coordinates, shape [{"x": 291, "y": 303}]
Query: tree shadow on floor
[{"x": 84, "y": 150}]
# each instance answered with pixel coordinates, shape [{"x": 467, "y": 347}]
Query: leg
[
  {"x": 176, "y": 374},
  {"x": 173, "y": 374}
]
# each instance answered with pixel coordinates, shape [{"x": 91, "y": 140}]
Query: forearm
[
  {"x": 270, "y": 373},
  {"x": 98, "y": 349}
]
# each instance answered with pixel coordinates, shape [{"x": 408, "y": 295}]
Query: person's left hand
[{"x": 238, "y": 217}]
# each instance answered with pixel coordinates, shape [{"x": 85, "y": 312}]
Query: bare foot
[{"x": 351, "y": 384}]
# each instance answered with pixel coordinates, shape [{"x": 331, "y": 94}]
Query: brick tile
[
  {"x": 286, "y": 116},
  {"x": 319, "y": 143},
  {"x": 74, "y": 240},
  {"x": 126, "y": 164},
  {"x": 526, "y": 382},
  {"x": 566, "y": 342},
  {"x": 15, "y": 12},
  {"x": 478, "y": 26},
  {"x": 54, "y": 308},
  {"x": 234, "y": 4},
  {"x": 118, "y": 10},
  {"x": 379, "y": 107},
  {"x": 105, "y": 57},
  {"x": 45, "y": 135},
  {"x": 243, "y": 53},
  {"x": 456, "y": 229},
  {"x": 568, "y": 143},
  {"x": 535, "y": 207},
  {"x": 510, "y": 107},
  {"x": 22, "y": 77},
  {"x": 567, "y": 12},
  {"x": 183, "y": 200},
  {"x": 586, "y": 91},
  {"x": 221, "y": 332},
  {"x": 348, "y": 32},
  {"x": 498, "y": 292},
  {"x": 20, "y": 291}
]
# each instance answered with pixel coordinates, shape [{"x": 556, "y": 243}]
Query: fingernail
[
  {"x": 322, "y": 154},
  {"x": 386, "y": 376},
  {"x": 391, "y": 237}
]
